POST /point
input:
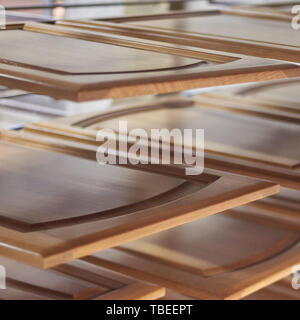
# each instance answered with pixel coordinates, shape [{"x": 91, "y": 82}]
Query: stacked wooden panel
[
  {"x": 209, "y": 236},
  {"x": 143, "y": 60},
  {"x": 66, "y": 222},
  {"x": 224, "y": 256}
]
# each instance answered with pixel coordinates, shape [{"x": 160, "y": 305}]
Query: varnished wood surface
[
  {"x": 71, "y": 191},
  {"x": 224, "y": 256},
  {"x": 220, "y": 128},
  {"x": 259, "y": 33},
  {"x": 118, "y": 68},
  {"x": 275, "y": 102},
  {"x": 112, "y": 60},
  {"x": 76, "y": 280},
  {"x": 283, "y": 208},
  {"x": 65, "y": 222},
  {"x": 269, "y": 150},
  {"x": 186, "y": 251}
]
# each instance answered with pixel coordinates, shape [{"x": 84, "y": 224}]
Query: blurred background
[{"x": 88, "y": 9}]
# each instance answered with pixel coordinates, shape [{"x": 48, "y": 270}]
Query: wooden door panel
[
  {"x": 118, "y": 66},
  {"x": 215, "y": 245},
  {"x": 219, "y": 257},
  {"x": 269, "y": 150},
  {"x": 51, "y": 230},
  {"x": 220, "y": 129}
]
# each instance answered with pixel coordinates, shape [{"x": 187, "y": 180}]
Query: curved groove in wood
[
  {"x": 176, "y": 193},
  {"x": 282, "y": 246},
  {"x": 293, "y": 242},
  {"x": 278, "y": 253},
  {"x": 65, "y": 73}
]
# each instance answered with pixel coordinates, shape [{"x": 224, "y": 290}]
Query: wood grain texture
[
  {"x": 76, "y": 280},
  {"x": 268, "y": 151},
  {"x": 125, "y": 67},
  {"x": 46, "y": 233},
  {"x": 259, "y": 33},
  {"x": 220, "y": 257}
]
